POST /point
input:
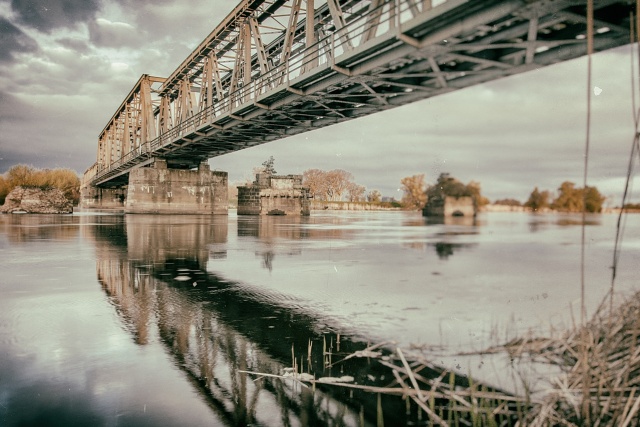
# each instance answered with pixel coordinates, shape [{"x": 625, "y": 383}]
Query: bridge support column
[
  {"x": 274, "y": 195},
  {"x": 92, "y": 197},
  {"x": 159, "y": 189}
]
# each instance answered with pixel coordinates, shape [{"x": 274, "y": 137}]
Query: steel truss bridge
[{"x": 276, "y": 68}]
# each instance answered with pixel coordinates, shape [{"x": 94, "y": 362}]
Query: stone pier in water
[
  {"x": 162, "y": 190},
  {"x": 274, "y": 195},
  {"x": 450, "y": 206}
]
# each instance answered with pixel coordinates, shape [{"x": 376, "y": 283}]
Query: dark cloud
[
  {"x": 62, "y": 71},
  {"x": 46, "y": 15},
  {"x": 65, "y": 135},
  {"x": 164, "y": 32},
  {"x": 14, "y": 40}
]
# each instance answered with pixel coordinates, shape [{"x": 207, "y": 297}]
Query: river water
[{"x": 110, "y": 319}]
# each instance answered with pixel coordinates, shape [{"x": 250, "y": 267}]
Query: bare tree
[
  {"x": 355, "y": 192},
  {"x": 338, "y": 181},
  {"x": 314, "y": 179},
  {"x": 329, "y": 185},
  {"x": 374, "y": 196}
]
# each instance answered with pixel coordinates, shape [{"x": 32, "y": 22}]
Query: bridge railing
[{"x": 89, "y": 174}]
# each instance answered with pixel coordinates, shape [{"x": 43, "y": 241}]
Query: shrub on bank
[{"x": 25, "y": 176}]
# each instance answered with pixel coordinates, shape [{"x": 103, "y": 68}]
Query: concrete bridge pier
[
  {"x": 162, "y": 190},
  {"x": 92, "y": 197},
  {"x": 274, "y": 195}
]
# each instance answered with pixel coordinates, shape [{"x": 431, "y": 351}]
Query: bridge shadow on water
[{"x": 154, "y": 271}]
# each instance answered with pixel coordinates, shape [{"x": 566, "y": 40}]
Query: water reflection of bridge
[{"x": 154, "y": 272}]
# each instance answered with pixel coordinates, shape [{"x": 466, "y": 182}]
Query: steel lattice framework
[{"x": 275, "y": 68}]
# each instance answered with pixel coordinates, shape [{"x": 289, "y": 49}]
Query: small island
[
  {"x": 25, "y": 189},
  {"x": 36, "y": 201}
]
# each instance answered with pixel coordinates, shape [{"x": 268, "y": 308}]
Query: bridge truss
[{"x": 275, "y": 68}]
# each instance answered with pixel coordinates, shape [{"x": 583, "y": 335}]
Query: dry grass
[
  {"x": 598, "y": 384},
  {"x": 446, "y": 400},
  {"x": 600, "y": 363}
]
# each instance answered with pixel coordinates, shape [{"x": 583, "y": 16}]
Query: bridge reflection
[
  {"x": 270, "y": 231},
  {"x": 31, "y": 228},
  {"x": 154, "y": 272}
]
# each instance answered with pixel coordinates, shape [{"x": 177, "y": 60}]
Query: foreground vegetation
[
  {"x": 599, "y": 363},
  {"x": 27, "y": 176},
  {"x": 596, "y": 380}
]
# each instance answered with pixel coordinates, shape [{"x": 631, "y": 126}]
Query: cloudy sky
[{"x": 66, "y": 65}]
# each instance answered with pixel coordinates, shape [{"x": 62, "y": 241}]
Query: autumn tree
[
  {"x": 593, "y": 200},
  {"x": 355, "y": 192},
  {"x": 22, "y": 175},
  {"x": 63, "y": 179},
  {"x": 4, "y": 189},
  {"x": 446, "y": 185},
  {"x": 314, "y": 180},
  {"x": 569, "y": 198},
  {"x": 338, "y": 182},
  {"x": 328, "y": 185},
  {"x": 572, "y": 199},
  {"x": 374, "y": 196},
  {"x": 413, "y": 187},
  {"x": 537, "y": 200},
  {"x": 473, "y": 188}
]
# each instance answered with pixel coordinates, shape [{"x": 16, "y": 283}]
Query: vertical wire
[
  {"x": 586, "y": 156},
  {"x": 636, "y": 118},
  {"x": 586, "y": 398}
]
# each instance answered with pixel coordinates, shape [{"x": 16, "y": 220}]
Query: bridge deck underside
[{"x": 450, "y": 47}]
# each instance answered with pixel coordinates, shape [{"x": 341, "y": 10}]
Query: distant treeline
[
  {"x": 569, "y": 199},
  {"x": 27, "y": 176},
  {"x": 339, "y": 185}
]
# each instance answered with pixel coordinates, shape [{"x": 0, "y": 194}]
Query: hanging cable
[
  {"x": 586, "y": 407},
  {"x": 583, "y": 309}
]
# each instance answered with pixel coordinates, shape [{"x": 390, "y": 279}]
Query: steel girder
[{"x": 269, "y": 71}]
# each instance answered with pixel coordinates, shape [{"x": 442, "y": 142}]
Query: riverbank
[{"x": 319, "y": 205}]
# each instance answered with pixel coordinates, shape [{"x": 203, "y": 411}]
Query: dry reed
[
  {"x": 449, "y": 399},
  {"x": 611, "y": 370},
  {"x": 611, "y": 340}
]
